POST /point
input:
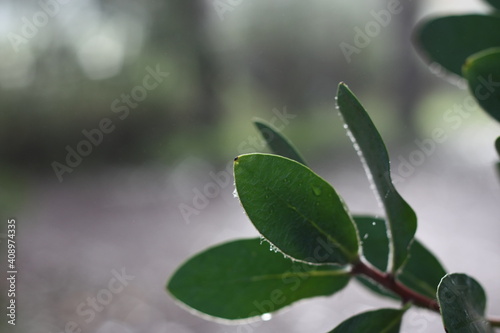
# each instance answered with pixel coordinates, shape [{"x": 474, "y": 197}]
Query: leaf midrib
[{"x": 346, "y": 252}]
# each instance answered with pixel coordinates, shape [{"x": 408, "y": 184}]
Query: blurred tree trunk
[
  {"x": 194, "y": 11},
  {"x": 408, "y": 83},
  {"x": 181, "y": 27}
]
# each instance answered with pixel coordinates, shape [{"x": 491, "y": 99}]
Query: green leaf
[
  {"x": 295, "y": 209},
  {"x": 494, "y": 3},
  {"x": 497, "y": 145},
  {"x": 380, "y": 321},
  {"x": 374, "y": 241},
  {"x": 277, "y": 142},
  {"x": 462, "y": 302},
  {"x": 422, "y": 272},
  {"x": 375, "y": 246},
  {"x": 243, "y": 279},
  {"x": 376, "y": 288},
  {"x": 450, "y": 40},
  {"x": 401, "y": 219},
  {"x": 482, "y": 71}
]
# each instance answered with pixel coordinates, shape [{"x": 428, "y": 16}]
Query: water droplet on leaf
[
  {"x": 266, "y": 316},
  {"x": 273, "y": 248},
  {"x": 316, "y": 190}
]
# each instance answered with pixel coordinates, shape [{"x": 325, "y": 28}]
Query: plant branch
[
  {"x": 407, "y": 295},
  {"x": 389, "y": 282},
  {"x": 495, "y": 322}
]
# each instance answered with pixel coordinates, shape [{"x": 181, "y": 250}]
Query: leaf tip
[
  {"x": 257, "y": 121},
  {"x": 466, "y": 66}
]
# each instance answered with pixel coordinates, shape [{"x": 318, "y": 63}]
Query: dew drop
[
  {"x": 365, "y": 236},
  {"x": 273, "y": 248},
  {"x": 373, "y": 223},
  {"x": 235, "y": 193},
  {"x": 266, "y": 316},
  {"x": 359, "y": 152},
  {"x": 316, "y": 190}
]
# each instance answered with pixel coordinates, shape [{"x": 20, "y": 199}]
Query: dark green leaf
[
  {"x": 482, "y": 71},
  {"x": 295, "y": 209},
  {"x": 462, "y": 301},
  {"x": 375, "y": 247},
  {"x": 497, "y": 145},
  {"x": 494, "y": 3},
  {"x": 376, "y": 288},
  {"x": 243, "y": 279},
  {"x": 422, "y": 272},
  {"x": 380, "y": 321},
  {"x": 401, "y": 219},
  {"x": 452, "y": 39},
  {"x": 277, "y": 142},
  {"x": 374, "y": 242}
]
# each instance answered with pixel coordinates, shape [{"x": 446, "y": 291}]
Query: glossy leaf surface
[
  {"x": 450, "y": 40},
  {"x": 295, "y": 209},
  {"x": 462, "y": 301},
  {"x": 422, "y": 272},
  {"x": 243, "y": 279},
  {"x": 482, "y": 71},
  {"x": 380, "y": 321},
  {"x": 277, "y": 142},
  {"x": 401, "y": 219}
]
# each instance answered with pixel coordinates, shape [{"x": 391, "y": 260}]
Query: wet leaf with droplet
[
  {"x": 243, "y": 279},
  {"x": 401, "y": 219},
  {"x": 304, "y": 218}
]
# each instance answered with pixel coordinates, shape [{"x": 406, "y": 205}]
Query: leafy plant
[
  {"x": 321, "y": 244},
  {"x": 468, "y": 46}
]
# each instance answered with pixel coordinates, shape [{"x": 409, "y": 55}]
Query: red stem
[
  {"x": 389, "y": 282},
  {"x": 407, "y": 295},
  {"x": 495, "y": 322}
]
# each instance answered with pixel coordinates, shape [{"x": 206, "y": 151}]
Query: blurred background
[{"x": 117, "y": 116}]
